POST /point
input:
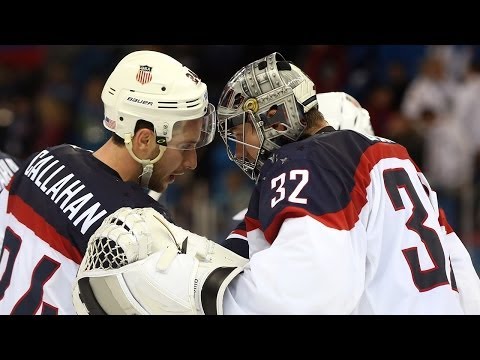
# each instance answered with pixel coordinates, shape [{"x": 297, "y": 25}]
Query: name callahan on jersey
[{"x": 49, "y": 175}]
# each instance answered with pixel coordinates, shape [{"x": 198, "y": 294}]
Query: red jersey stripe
[{"x": 27, "y": 216}]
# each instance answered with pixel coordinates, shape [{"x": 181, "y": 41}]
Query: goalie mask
[
  {"x": 270, "y": 83},
  {"x": 151, "y": 86}
]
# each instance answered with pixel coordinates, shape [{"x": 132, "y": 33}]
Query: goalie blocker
[{"x": 139, "y": 263}]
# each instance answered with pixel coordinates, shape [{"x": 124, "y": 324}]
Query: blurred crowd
[{"x": 422, "y": 96}]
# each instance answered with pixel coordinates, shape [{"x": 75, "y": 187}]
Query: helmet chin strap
[{"x": 147, "y": 164}]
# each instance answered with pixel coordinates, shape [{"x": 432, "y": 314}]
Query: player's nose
[
  {"x": 239, "y": 151},
  {"x": 190, "y": 159}
]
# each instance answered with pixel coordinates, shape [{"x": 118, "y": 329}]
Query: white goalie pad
[{"x": 139, "y": 263}]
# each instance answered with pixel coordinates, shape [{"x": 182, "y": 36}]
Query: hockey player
[
  {"x": 159, "y": 114},
  {"x": 341, "y": 111}
]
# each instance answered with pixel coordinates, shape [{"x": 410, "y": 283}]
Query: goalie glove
[{"x": 137, "y": 262}]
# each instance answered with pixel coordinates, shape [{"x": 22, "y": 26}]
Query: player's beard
[{"x": 158, "y": 184}]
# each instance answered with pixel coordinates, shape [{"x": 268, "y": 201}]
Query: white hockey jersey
[{"x": 343, "y": 223}]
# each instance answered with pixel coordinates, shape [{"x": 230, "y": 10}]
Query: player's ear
[{"x": 144, "y": 138}]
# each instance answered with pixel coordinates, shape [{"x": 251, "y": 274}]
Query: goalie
[{"x": 138, "y": 263}]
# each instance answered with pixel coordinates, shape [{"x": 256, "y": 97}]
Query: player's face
[
  {"x": 247, "y": 142},
  {"x": 182, "y": 156}
]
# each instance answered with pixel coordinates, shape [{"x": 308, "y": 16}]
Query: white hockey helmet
[
  {"x": 154, "y": 87},
  {"x": 270, "y": 82},
  {"x": 343, "y": 111}
]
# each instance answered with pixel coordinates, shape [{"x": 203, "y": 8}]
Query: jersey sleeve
[
  {"x": 237, "y": 241},
  {"x": 464, "y": 276},
  {"x": 466, "y": 280}
]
